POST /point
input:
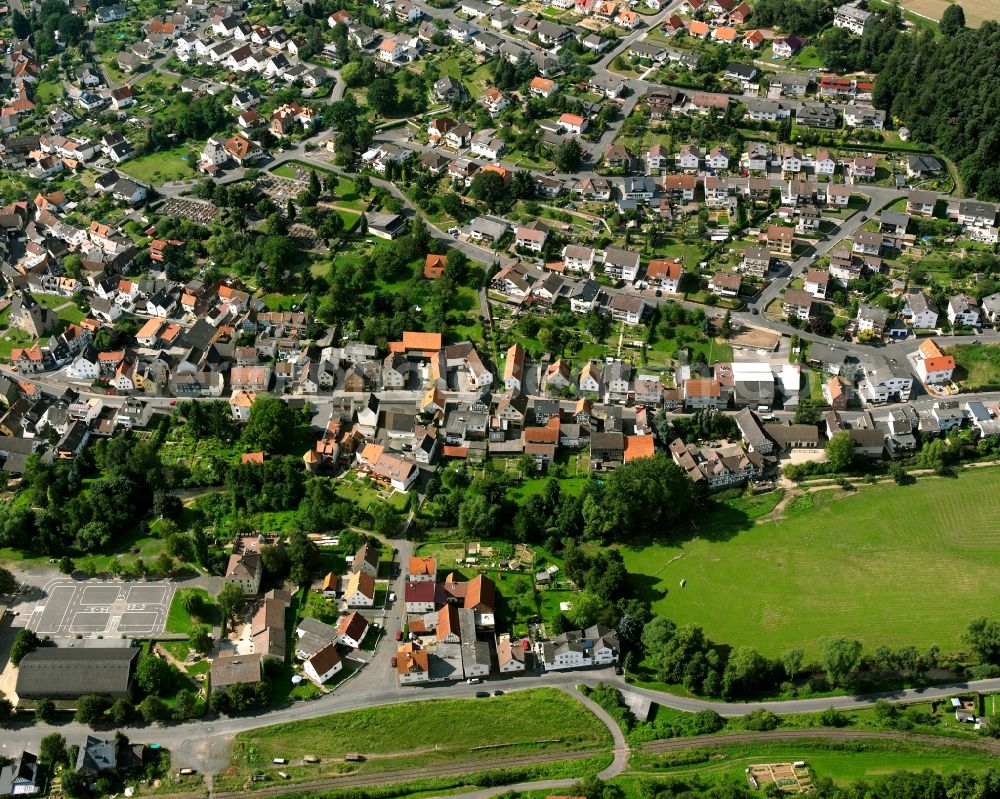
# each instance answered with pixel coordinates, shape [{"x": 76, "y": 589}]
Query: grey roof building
[
  {"x": 21, "y": 777},
  {"x": 753, "y": 432},
  {"x": 97, "y": 756},
  {"x": 816, "y": 116},
  {"x": 476, "y": 660},
  {"x": 50, "y": 673}
]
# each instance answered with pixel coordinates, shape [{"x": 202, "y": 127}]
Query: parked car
[
  {"x": 392, "y": 661},
  {"x": 482, "y": 694},
  {"x": 498, "y": 693},
  {"x": 473, "y": 681}
]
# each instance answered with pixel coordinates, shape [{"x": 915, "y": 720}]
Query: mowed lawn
[
  {"x": 889, "y": 565},
  {"x": 176, "y": 163},
  {"x": 180, "y": 621},
  {"x": 438, "y": 731}
]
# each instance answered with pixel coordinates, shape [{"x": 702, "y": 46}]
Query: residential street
[{"x": 203, "y": 744}]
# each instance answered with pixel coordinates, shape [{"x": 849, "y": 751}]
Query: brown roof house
[
  {"x": 447, "y": 625},
  {"x": 352, "y": 630},
  {"x": 244, "y": 567},
  {"x": 412, "y": 665},
  {"x": 245, "y": 570},
  {"x": 323, "y": 665},
  {"x": 360, "y": 591},
  {"x": 421, "y": 569},
  {"x": 366, "y": 559},
  {"x": 478, "y": 595},
  {"x": 267, "y": 629},
  {"x": 510, "y": 655},
  {"x": 230, "y": 670}
]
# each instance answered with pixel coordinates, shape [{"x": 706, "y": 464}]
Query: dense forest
[
  {"x": 802, "y": 17},
  {"x": 944, "y": 86},
  {"x": 946, "y": 89}
]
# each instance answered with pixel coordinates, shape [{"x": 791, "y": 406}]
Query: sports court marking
[
  {"x": 146, "y": 595},
  {"x": 99, "y": 595},
  {"x": 137, "y": 621},
  {"x": 89, "y": 622},
  {"x": 53, "y": 616},
  {"x": 97, "y": 607}
]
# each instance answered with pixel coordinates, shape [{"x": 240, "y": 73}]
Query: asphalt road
[
  {"x": 202, "y": 743},
  {"x": 374, "y": 687}
]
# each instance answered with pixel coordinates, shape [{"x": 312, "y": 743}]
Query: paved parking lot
[{"x": 99, "y": 607}]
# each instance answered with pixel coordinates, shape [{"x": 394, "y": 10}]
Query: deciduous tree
[
  {"x": 53, "y": 748},
  {"x": 840, "y": 451},
  {"x": 840, "y": 658},
  {"x": 269, "y": 425}
]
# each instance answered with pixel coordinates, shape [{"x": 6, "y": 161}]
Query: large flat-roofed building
[{"x": 51, "y": 673}]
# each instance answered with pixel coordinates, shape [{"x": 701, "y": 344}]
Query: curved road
[{"x": 673, "y": 744}]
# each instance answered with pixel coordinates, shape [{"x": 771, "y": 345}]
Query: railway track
[
  {"x": 407, "y": 775},
  {"x": 653, "y": 747}
]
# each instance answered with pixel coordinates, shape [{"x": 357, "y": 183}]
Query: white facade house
[
  {"x": 352, "y": 630},
  {"x": 323, "y": 665},
  {"x": 360, "y": 591},
  {"x": 595, "y": 646},
  {"x": 921, "y": 310},
  {"x": 852, "y": 18},
  {"x": 933, "y": 365},
  {"x": 577, "y": 258},
  {"x": 963, "y": 310},
  {"x": 621, "y": 264},
  {"x": 83, "y": 369}
]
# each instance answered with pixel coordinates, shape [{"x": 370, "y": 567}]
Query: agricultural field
[
  {"x": 473, "y": 732},
  {"x": 836, "y": 564},
  {"x": 976, "y": 11}
]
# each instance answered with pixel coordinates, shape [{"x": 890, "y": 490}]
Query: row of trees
[
  {"x": 54, "y": 20},
  {"x": 939, "y": 455},
  {"x": 925, "y": 784},
  {"x": 842, "y": 51},
  {"x": 685, "y": 656},
  {"x": 354, "y": 291},
  {"x": 641, "y": 500}
]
